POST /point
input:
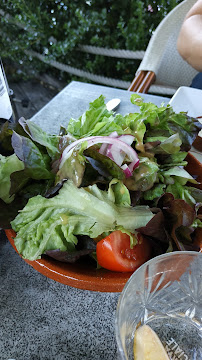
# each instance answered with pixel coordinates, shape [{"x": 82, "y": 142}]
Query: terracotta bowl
[
  {"x": 86, "y": 276},
  {"x": 79, "y": 275}
]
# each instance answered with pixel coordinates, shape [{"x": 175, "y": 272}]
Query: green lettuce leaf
[
  {"x": 8, "y": 165},
  {"x": 154, "y": 193},
  {"x": 175, "y": 179},
  {"x": 73, "y": 168},
  {"x": 144, "y": 176},
  {"x": 170, "y": 145},
  {"x": 8, "y": 211},
  {"x": 178, "y": 174},
  {"x": 161, "y": 122},
  {"x": 6, "y": 131},
  {"x": 118, "y": 193},
  {"x": 97, "y": 120},
  {"x": 35, "y": 161},
  {"x": 49, "y": 224},
  {"x": 172, "y": 160},
  {"x": 5, "y": 139},
  {"x": 186, "y": 193},
  {"x": 50, "y": 142}
]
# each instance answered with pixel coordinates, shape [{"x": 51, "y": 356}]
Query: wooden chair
[{"x": 162, "y": 69}]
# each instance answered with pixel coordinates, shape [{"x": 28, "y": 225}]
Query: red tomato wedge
[{"x": 114, "y": 252}]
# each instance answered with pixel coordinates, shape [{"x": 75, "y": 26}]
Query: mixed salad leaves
[{"x": 106, "y": 173}]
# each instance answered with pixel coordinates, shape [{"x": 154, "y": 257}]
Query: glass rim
[
  {"x": 154, "y": 259},
  {"x": 122, "y": 294}
]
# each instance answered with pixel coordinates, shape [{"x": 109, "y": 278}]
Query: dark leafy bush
[{"x": 57, "y": 28}]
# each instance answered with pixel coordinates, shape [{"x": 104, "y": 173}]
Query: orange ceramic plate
[{"x": 86, "y": 276}]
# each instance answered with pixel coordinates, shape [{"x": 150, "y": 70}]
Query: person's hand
[{"x": 189, "y": 42}]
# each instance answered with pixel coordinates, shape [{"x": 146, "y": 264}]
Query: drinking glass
[{"x": 166, "y": 294}]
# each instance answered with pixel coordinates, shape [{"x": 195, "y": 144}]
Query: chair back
[{"x": 162, "y": 57}]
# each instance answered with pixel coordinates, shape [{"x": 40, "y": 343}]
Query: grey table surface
[
  {"x": 74, "y": 99},
  {"x": 41, "y": 319}
]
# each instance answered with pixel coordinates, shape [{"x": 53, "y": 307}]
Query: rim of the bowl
[
  {"x": 80, "y": 277},
  {"x": 159, "y": 257}
]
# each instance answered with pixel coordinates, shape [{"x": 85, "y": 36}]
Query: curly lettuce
[
  {"x": 50, "y": 224},
  {"x": 8, "y": 165}
]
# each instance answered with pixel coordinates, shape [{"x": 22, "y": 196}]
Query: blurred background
[{"x": 48, "y": 43}]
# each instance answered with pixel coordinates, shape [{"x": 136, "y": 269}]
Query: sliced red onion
[
  {"x": 115, "y": 153},
  {"x": 133, "y": 165},
  {"x": 128, "y": 139},
  {"x": 103, "y": 148},
  {"x": 126, "y": 170},
  {"x": 119, "y": 147}
]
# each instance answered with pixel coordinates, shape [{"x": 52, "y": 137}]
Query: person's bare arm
[{"x": 189, "y": 42}]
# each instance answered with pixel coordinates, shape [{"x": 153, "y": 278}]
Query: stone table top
[{"x": 74, "y": 99}]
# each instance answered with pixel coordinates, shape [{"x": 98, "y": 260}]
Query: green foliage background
[{"x": 56, "y": 28}]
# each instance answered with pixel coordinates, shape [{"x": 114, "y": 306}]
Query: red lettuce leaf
[
  {"x": 85, "y": 246},
  {"x": 179, "y": 217}
]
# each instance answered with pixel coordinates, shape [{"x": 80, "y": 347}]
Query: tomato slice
[{"x": 114, "y": 252}]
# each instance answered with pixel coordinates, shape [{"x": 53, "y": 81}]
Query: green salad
[{"x": 105, "y": 176}]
